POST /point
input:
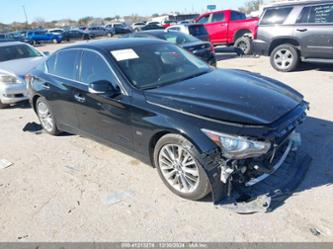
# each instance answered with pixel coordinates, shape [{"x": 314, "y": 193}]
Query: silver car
[{"x": 16, "y": 60}]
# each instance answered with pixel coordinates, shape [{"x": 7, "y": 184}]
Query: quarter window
[
  {"x": 218, "y": 17},
  {"x": 321, "y": 14},
  {"x": 275, "y": 16},
  {"x": 94, "y": 68},
  {"x": 66, "y": 64}
]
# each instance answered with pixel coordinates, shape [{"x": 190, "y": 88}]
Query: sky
[{"x": 12, "y": 10}]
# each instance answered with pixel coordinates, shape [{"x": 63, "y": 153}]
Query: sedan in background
[
  {"x": 42, "y": 36},
  {"x": 16, "y": 60},
  {"x": 204, "y": 129},
  {"x": 203, "y": 50},
  {"x": 119, "y": 28},
  {"x": 152, "y": 26},
  {"x": 197, "y": 30}
]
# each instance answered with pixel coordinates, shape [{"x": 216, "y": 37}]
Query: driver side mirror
[{"x": 103, "y": 87}]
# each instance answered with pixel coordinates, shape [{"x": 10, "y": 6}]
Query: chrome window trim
[{"x": 122, "y": 88}]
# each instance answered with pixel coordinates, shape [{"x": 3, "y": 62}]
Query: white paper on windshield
[{"x": 124, "y": 54}]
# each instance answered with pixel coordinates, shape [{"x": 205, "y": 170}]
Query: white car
[
  {"x": 137, "y": 26},
  {"x": 16, "y": 60}
]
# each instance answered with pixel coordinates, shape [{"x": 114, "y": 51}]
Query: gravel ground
[{"x": 64, "y": 188}]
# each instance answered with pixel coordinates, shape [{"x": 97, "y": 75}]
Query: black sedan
[
  {"x": 204, "y": 129},
  {"x": 203, "y": 50},
  {"x": 76, "y": 34}
]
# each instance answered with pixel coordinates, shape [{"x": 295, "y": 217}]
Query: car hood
[
  {"x": 21, "y": 67},
  {"x": 228, "y": 95}
]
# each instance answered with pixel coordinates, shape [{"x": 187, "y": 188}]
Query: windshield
[
  {"x": 153, "y": 66},
  {"x": 177, "y": 38},
  {"x": 14, "y": 52}
]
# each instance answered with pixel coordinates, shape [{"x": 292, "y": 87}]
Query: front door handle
[
  {"x": 46, "y": 86},
  {"x": 302, "y": 30},
  {"x": 79, "y": 98}
]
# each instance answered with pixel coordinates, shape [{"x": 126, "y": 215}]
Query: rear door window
[
  {"x": 275, "y": 16},
  {"x": 218, "y": 17},
  {"x": 65, "y": 64},
  {"x": 235, "y": 16}
]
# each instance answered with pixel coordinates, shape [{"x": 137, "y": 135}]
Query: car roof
[
  {"x": 295, "y": 3},
  {"x": 107, "y": 45},
  {"x": 10, "y": 43}
]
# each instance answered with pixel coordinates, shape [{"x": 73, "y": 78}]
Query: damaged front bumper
[{"x": 260, "y": 194}]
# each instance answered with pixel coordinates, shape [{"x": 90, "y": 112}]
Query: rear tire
[
  {"x": 244, "y": 44},
  {"x": 46, "y": 117},
  {"x": 175, "y": 160},
  {"x": 285, "y": 58}
]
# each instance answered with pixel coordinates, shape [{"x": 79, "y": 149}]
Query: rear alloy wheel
[
  {"x": 244, "y": 44},
  {"x": 285, "y": 58},
  {"x": 174, "y": 157},
  {"x": 46, "y": 117},
  {"x": 55, "y": 41}
]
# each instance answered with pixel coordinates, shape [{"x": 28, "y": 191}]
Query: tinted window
[
  {"x": 94, "y": 68},
  {"x": 237, "y": 16},
  {"x": 17, "y": 52},
  {"x": 321, "y": 14},
  {"x": 204, "y": 19},
  {"x": 275, "y": 16},
  {"x": 304, "y": 16},
  {"x": 218, "y": 17},
  {"x": 196, "y": 30},
  {"x": 66, "y": 64}
]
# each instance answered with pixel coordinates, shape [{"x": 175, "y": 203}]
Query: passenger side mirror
[{"x": 103, "y": 87}]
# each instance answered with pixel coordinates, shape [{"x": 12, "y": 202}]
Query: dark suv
[{"x": 290, "y": 33}]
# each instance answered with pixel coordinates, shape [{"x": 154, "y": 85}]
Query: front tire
[
  {"x": 46, "y": 116},
  {"x": 285, "y": 58},
  {"x": 175, "y": 160}
]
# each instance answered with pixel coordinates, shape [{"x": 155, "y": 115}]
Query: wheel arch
[
  {"x": 34, "y": 101},
  {"x": 287, "y": 40},
  {"x": 241, "y": 33},
  {"x": 201, "y": 147}
]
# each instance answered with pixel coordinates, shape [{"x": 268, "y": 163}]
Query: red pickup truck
[{"x": 230, "y": 27}]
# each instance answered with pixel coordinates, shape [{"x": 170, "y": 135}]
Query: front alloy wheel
[
  {"x": 46, "y": 117},
  {"x": 175, "y": 160},
  {"x": 285, "y": 58}
]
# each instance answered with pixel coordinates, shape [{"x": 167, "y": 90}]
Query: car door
[
  {"x": 216, "y": 26},
  {"x": 314, "y": 31},
  {"x": 59, "y": 83},
  {"x": 101, "y": 116}
]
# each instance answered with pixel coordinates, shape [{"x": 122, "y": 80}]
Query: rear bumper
[
  {"x": 13, "y": 93},
  {"x": 260, "y": 47}
]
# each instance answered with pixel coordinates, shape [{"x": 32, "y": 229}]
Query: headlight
[
  {"x": 7, "y": 77},
  {"x": 237, "y": 147}
]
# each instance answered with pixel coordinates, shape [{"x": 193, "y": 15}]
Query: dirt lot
[{"x": 63, "y": 188}]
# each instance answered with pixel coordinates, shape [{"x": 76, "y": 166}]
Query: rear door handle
[
  {"x": 79, "y": 98},
  {"x": 302, "y": 30}
]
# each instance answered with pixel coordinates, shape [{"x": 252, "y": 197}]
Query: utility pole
[{"x": 26, "y": 16}]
